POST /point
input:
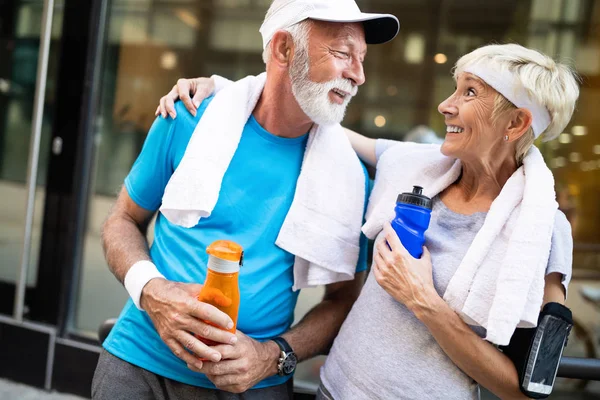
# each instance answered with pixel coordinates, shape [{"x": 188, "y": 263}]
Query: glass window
[{"x": 19, "y": 48}]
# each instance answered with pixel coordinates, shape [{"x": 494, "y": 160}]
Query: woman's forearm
[
  {"x": 363, "y": 146},
  {"x": 473, "y": 355}
]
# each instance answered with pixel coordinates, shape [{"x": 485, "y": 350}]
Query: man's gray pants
[{"x": 116, "y": 379}]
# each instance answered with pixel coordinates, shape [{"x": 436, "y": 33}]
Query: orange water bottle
[{"x": 221, "y": 286}]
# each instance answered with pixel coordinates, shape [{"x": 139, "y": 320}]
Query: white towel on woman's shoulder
[
  {"x": 499, "y": 283},
  {"x": 322, "y": 227}
]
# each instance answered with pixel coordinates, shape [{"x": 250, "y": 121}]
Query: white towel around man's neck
[
  {"x": 499, "y": 283},
  {"x": 322, "y": 227}
]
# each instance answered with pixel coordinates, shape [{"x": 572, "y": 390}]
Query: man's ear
[
  {"x": 519, "y": 123},
  {"x": 282, "y": 47}
]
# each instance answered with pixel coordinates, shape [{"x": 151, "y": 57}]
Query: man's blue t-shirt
[{"x": 256, "y": 194}]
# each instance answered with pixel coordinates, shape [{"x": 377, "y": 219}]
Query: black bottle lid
[{"x": 415, "y": 198}]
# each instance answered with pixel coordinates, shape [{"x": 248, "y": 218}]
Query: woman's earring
[{"x": 506, "y": 138}]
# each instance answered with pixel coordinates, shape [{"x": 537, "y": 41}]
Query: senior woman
[
  {"x": 416, "y": 329},
  {"x": 496, "y": 250}
]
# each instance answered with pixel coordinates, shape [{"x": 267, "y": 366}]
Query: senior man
[{"x": 248, "y": 166}]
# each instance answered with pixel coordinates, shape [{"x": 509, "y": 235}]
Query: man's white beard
[{"x": 313, "y": 97}]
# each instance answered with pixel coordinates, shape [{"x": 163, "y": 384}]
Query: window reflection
[{"x": 19, "y": 47}]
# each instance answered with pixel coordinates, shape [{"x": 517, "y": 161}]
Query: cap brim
[{"x": 379, "y": 28}]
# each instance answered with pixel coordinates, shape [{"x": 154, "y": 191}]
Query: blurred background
[{"x": 110, "y": 62}]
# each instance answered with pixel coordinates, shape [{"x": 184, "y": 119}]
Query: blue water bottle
[{"x": 413, "y": 212}]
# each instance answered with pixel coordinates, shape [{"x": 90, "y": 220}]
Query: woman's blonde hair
[{"x": 549, "y": 83}]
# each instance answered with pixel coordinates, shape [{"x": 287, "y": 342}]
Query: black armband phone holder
[{"x": 536, "y": 352}]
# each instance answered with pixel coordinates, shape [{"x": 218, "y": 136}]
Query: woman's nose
[{"x": 448, "y": 107}]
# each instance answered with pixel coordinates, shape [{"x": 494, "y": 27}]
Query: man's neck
[{"x": 278, "y": 112}]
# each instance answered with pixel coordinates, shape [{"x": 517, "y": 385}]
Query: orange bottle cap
[{"x": 226, "y": 250}]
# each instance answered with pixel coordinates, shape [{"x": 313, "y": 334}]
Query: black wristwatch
[{"x": 287, "y": 360}]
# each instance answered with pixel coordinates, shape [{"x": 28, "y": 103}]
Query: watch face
[{"x": 289, "y": 364}]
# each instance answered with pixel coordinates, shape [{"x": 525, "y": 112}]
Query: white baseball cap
[{"x": 379, "y": 28}]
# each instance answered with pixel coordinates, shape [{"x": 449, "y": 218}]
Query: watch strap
[{"x": 283, "y": 345}]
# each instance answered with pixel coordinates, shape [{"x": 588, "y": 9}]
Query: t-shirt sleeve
[
  {"x": 153, "y": 168},
  {"x": 364, "y": 242},
  {"x": 162, "y": 151},
  {"x": 381, "y": 145},
  {"x": 561, "y": 250}
]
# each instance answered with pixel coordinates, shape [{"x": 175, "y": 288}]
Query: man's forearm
[
  {"x": 473, "y": 355},
  {"x": 124, "y": 244},
  {"x": 314, "y": 334}
]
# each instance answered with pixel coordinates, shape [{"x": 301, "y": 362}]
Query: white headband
[{"x": 506, "y": 84}]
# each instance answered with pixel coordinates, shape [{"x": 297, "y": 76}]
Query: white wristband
[{"x": 137, "y": 277}]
